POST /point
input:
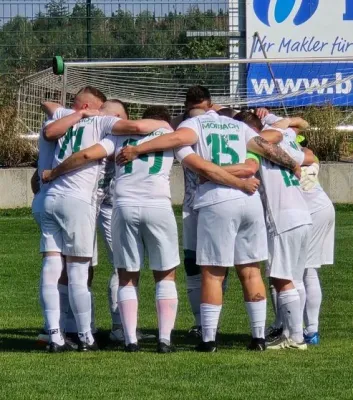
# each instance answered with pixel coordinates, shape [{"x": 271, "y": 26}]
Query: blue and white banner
[{"x": 301, "y": 28}]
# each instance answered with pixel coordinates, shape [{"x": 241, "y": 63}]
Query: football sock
[
  {"x": 49, "y": 296},
  {"x": 257, "y": 316},
  {"x": 302, "y": 294},
  {"x": 167, "y": 305},
  {"x": 194, "y": 294},
  {"x": 128, "y": 306},
  {"x": 289, "y": 306},
  {"x": 113, "y": 288},
  {"x": 64, "y": 305},
  {"x": 93, "y": 312},
  {"x": 313, "y": 300},
  {"x": 80, "y": 298},
  {"x": 209, "y": 321}
]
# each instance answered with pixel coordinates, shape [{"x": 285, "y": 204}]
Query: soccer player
[
  {"x": 224, "y": 142},
  {"x": 145, "y": 213},
  {"x": 289, "y": 228},
  {"x": 68, "y": 220}
]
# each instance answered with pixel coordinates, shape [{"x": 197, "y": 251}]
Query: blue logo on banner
[{"x": 283, "y": 10}]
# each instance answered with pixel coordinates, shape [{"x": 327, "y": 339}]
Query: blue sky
[{"x": 29, "y": 8}]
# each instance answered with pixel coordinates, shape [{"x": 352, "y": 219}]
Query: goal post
[{"x": 295, "y": 83}]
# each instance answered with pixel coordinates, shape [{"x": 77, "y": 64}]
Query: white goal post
[{"x": 140, "y": 83}]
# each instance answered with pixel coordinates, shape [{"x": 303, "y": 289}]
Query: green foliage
[{"x": 324, "y": 139}]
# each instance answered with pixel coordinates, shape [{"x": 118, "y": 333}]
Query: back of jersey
[
  {"x": 81, "y": 183},
  {"x": 144, "y": 181},
  {"x": 222, "y": 141}
]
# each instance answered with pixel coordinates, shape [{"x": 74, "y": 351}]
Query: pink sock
[
  {"x": 167, "y": 305},
  {"x": 128, "y": 305}
]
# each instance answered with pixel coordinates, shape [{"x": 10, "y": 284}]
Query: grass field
[{"x": 26, "y": 372}]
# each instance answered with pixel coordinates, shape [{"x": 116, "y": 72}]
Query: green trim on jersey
[{"x": 253, "y": 156}]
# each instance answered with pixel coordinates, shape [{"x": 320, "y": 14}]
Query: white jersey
[
  {"x": 316, "y": 198},
  {"x": 45, "y": 161},
  {"x": 145, "y": 181},
  {"x": 223, "y": 141},
  {"x": 285, "y": 207},
  {"x": 81, "y": 184}
]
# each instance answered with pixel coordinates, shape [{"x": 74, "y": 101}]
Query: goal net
[{"x": 287, "y": 86}]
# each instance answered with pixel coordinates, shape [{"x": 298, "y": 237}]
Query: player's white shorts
[
  {"x": 322, "y": 243},
  {"x": 68, "y": 226},
  {"x": 232, "y": 233},
  {"x": 136, "y": 230},
  {"x": 287, "y": 253},
  {"x": 189, "y": 228}
]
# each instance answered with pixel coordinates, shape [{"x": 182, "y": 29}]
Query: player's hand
[
  {"x": 89, "y": 113},
  {"x": 251, "y": 185},
  {"x": 262, "y": 112},
  {"x": 297, "y": 171},
  {"x": 126, "y": 155},
  {"x": 47, "y": 176}
]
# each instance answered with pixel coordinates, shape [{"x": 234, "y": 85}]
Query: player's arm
[
  {"x": 309, "y": 157},
  {"x": 216, "y": 174},
  {"x": 296, "y": 123},
  {"x": 35, "y": 182},
  {"x": 272, "y": 136},
  {"x": 58, "y": 128},
  {"x": 76, "y": 161},
  {"x": 181, "y": 137},
  {"x": 274, "y": 153},
  {"x": 49, "y": 107},
  {"x": 138, "y": 127}
]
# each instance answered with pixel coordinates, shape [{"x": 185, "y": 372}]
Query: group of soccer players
[{"x": 251, "y": 195}]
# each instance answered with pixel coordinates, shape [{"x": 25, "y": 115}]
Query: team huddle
[{"x": 252, "y": 195}]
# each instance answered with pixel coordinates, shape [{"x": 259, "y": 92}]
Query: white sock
[
  {"x": 49, "y": 296},
  {"x": 209, "y": 321},
  {"x": 167, "y": 306},
  {"x": 257, "y": 316},
  {"x": 128, "y": 306},
  {"x": 64, "y": 305},
  {"x": 193, "y": 285},
  {"x": 93, "y": 312},
  {"x": 289, "y": 306},
  {"x": 113, "y": 288},
  {"x": 299, "y": 285},
  {"x": 80, "y": 298},
  {"x": 313, "y": 300}
]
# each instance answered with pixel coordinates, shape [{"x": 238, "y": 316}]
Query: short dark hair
[
  {"x": 117, "y": 101},
  {"x": 249, "y": 119},
  {"x": 226, "y": 112},
  {"x": 196, "y": 95},
  {"x": 94, "y": 92},
  {"x": 160, "y": 113}
]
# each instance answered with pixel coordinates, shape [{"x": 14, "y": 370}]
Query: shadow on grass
[{"x": 25, "y": 340}]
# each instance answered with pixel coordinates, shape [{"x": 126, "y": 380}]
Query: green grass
[{"x": 26, "y": 372}]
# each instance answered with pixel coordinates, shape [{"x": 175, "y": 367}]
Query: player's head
[
  {"x": 115, "y": 108},
  {"x": 250, "y": 119},
  {"x": 194, "y": 112},
  {"x": 227, "y": 112},
  {"x": 88, "y": 97},
  {"x": 160, "y": 113},
  {"x": 198, "y": 97}
]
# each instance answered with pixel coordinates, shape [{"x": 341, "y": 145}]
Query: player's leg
[
  {"x": 128, "y": 250},
  {"x": 321, "y": 251},
  {"x": 216, "y": 232},
  {"x": 287, "y": 254},
  {"x": 250, "y": 249},
  {"x": 192, "y": 270},
  {"x": 52, "y": 266},
  {"x": 78, "y": 225},
  {"x": 160, "y": 236}
]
